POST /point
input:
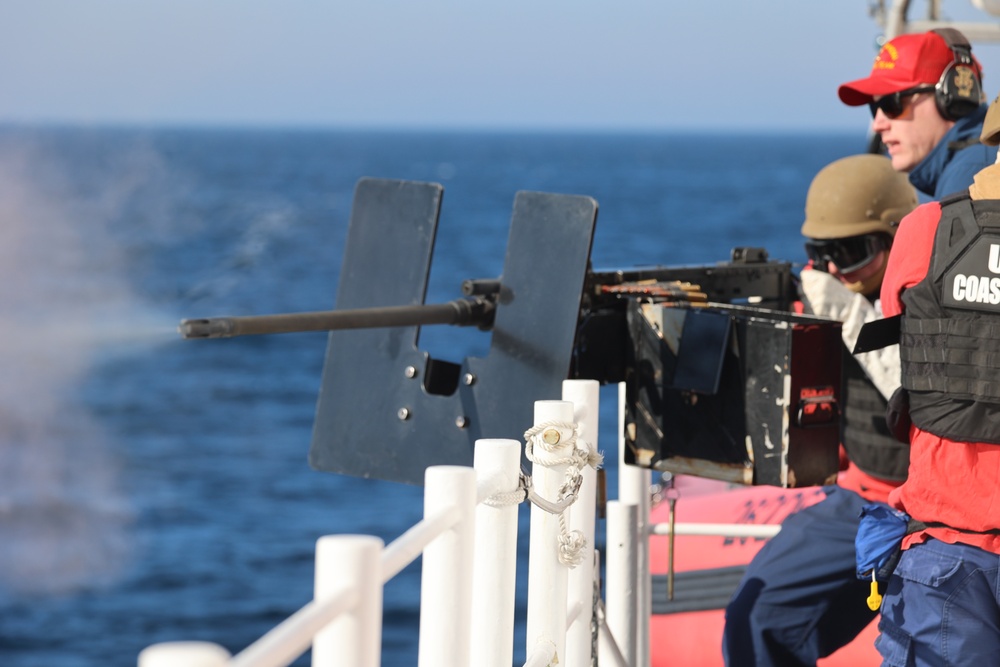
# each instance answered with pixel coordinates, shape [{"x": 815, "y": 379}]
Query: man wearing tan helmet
[
  {"x": 942, "y": 603},
  {"x": 800, "y": 599},
  {"x": 926, "y": 99}
]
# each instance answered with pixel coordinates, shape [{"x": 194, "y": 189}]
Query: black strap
[
  {"x": 878, "y": 334},
  {"x": 963, "y": 144},
  {"x": 915, "y": 526},
  {"x": 955, "y": 196},
  {"x": 955, "y": 40}
]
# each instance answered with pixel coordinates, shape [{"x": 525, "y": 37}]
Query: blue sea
[{"x": 154, "y": 489}]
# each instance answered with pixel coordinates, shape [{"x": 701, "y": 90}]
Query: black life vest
[
  {"x": 950, "y": 330},
  {"x": 864, "y": 432}
]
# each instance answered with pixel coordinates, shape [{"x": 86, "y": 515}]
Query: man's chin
[{"x": 901, "y": 162}]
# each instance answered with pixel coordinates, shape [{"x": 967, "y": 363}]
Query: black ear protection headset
[{"x": 959, "y": 91}]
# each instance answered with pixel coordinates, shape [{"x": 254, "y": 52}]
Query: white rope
[
  {"x": 548, "y": 444},
  {"x": 506, "y": 498}
]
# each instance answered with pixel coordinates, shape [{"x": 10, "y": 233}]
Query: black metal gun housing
[{"x": 722, "y": 379}]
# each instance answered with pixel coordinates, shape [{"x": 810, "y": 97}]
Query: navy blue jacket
[{"x": 949, "y": 167}]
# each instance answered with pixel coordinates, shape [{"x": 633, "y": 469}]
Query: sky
[{"x": 521, "y": 64}]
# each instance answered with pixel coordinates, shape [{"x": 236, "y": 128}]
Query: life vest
[
  {"x": 865, "y": 434},
  {"x": 950, "y": 329}
]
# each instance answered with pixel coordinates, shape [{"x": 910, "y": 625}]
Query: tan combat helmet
[
  {"x": 855, "y": 195},
  {"x": 991, "y": 125}
]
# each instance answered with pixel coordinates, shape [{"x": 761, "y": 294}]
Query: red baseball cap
[{"x": 904, "y": 62}]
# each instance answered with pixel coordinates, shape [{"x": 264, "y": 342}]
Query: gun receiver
[{"x": 721, "y": 380}]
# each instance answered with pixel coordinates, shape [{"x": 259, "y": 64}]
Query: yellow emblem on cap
[{"x": 890, "y": 62}]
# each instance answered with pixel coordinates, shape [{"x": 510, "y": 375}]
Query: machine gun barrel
[{"x": 460, "y": 312}]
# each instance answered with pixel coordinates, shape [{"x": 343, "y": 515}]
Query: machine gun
[{"x": 722, "y": 380}]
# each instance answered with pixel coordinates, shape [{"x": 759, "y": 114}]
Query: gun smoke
[{"x": 66, "y": 304}]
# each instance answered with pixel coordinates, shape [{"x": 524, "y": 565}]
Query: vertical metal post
[
  {"x": 585, "y": 396},
  {"x": 190, "y": 654},
  {"x": 350, "y": 562},
  {"x": 547, "y": 577},
  {"x": 633, "y": 489},
  {"x": 446, "y": 578},
  {"x": 498, "y": 463},
  {"x": 622, "y": 563}
]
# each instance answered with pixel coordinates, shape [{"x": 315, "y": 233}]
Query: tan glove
[{"x": 824, "y": 295}]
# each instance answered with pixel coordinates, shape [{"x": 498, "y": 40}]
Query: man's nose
[{"x": 880, "y": 123}]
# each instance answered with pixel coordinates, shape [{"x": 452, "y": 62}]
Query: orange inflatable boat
[{"x": 687, "y": 631}]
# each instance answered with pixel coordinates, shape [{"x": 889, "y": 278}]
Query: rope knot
[{"x": 552, "y": 444}]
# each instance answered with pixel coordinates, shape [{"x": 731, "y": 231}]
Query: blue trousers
[
  {"x": 942, "y": 607},
  {"x": 800, "y": 599}
]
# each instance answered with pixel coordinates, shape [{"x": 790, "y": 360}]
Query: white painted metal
[
  {"x": 287, "y": 641},
  {"x": 547, "y": 577},
  {"x": 573, "y": 611},
  {"x": 407, "y": 547},
  {"x": 354, "y": 638},
  {"x": 585, "y": 396},
  {"x": 719, "y": 529},
  {"x": 608, "y": 651},
  {"x": 544, "y": 655},
  {"x": 634, "y": 484},
  {"x": 622, "y": 576},
  {"x": 189, "y": 654},
  {"x": 895, "y": 20},
  {"x": 284, "y": 643},
  {"x": 988, "y": 6},
  {"x": 446, "y": 577},
  {"x": 498, "y": 467},
  {"x": 342, "y": 622}
]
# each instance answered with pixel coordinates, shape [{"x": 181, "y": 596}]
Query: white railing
[
  {"x": 468, "y": 543},
  {"x": 468, "y": 540}
]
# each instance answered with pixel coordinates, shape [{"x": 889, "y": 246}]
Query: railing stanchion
[
  {"x": 446, "y": 576},
  {"x": 622, "y": 576},
  {"x": 633, "y": 489},
  {"x": 547, "y": 577},
  {"x": 189, "y": 654},
  {"x": 498, "y": 464},
  {"x": 350, "y": 562},
  {"x": 585, "y": 396}
]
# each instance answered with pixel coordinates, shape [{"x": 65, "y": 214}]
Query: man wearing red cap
[
  {"x": 925, "y": 95},
  {"x": 942, "y": 603}
]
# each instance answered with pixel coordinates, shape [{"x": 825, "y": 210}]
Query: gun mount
[{"x": 721, "y": 379}]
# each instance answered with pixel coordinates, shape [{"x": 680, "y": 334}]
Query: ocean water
[{"x": 154, "y": 489}]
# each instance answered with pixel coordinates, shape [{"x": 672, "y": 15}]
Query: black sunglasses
[
  {"x": 849, "y": 254},
  {"x": 895, "y": 104}
]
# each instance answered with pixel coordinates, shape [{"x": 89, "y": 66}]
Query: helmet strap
[{"x": 871, "y": 284}]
